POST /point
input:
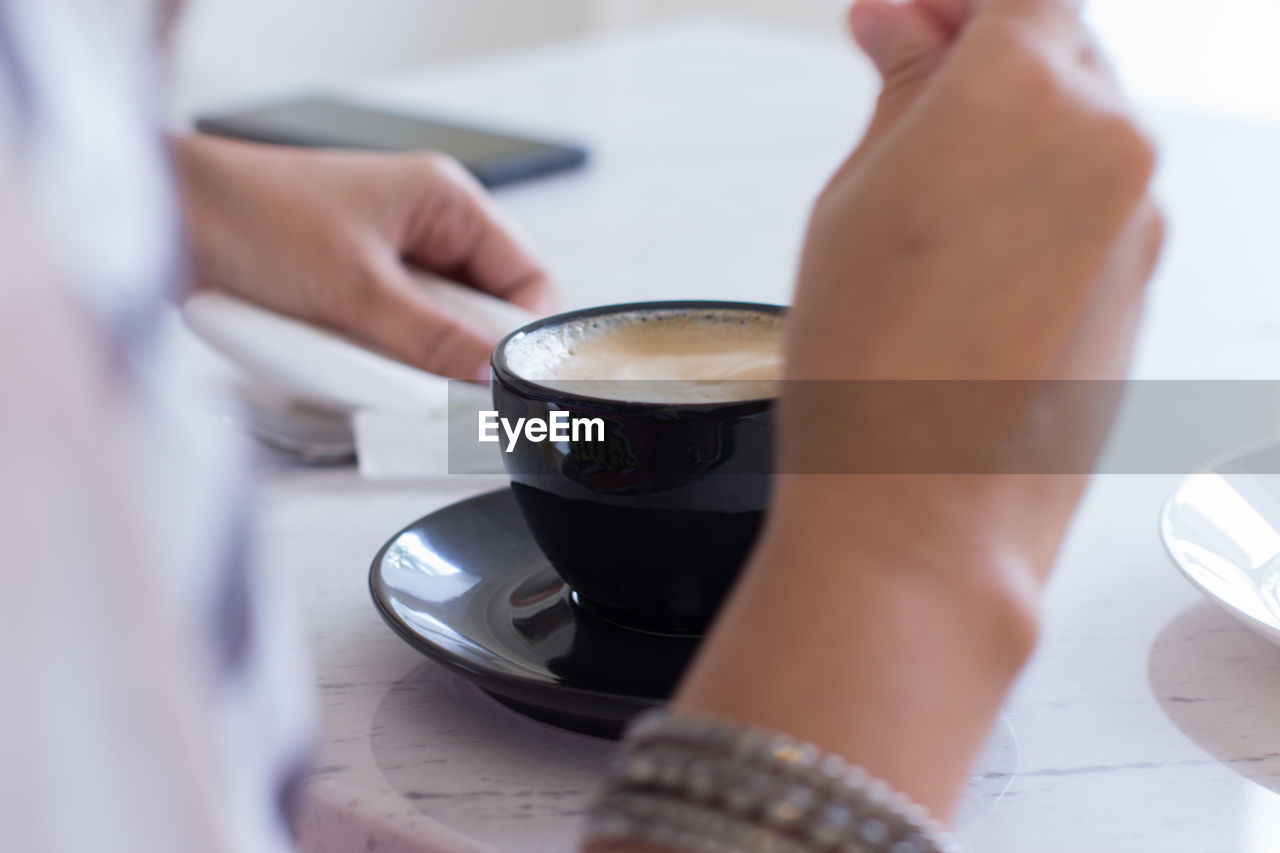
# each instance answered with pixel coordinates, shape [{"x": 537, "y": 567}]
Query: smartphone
[{"x": 494, "y": 158}]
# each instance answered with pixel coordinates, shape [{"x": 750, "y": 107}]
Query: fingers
[
  {"x": 953, "y": 14},
  {"x": 906, "y": 44},
  {"x": 457, "y": 231},
  {"x": 898, "y": 37},
  {"x": 407, "y": 323}
]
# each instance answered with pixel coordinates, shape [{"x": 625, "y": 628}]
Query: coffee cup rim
[{"x": 502, "y": 371}]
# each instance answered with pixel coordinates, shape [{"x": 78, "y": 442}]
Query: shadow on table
[
  {"x": 447, "y": 747},
  {"x": 1220, "y": 684}
]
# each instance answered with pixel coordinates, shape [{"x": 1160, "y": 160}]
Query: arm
[
  {"x": 328, "y": 237},
  {"x": 994, "y": 224}
]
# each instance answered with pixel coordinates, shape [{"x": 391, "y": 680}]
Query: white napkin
[
  {"x": 390, "y": 446},
  {"x": 399, "y": 414}
]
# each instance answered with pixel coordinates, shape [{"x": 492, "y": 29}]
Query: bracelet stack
[{"x": 700, "y": 784}]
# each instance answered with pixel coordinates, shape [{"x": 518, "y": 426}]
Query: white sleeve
[
  {"x": 104, "y": 741},
  {"x": 150, "y": 701}
]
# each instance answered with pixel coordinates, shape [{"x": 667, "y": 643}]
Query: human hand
[
  {"x": 995, "y": 224},
  {"x": 328, "y": 237}
]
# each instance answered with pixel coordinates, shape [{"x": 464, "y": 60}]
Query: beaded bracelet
[{"x": 701, "y": 784}]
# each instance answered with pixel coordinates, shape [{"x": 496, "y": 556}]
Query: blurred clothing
[{"x": 152, "y": 696}]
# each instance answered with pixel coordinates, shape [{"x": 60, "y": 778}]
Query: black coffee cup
[{"x": 650, "y": 519}]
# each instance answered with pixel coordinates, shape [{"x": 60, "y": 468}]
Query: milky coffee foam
[{"x": 658, "y": 356}]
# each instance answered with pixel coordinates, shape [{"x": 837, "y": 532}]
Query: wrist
[
  {"x": 873, "y": 640},
  {"x": 982, "y": 586},
  {"x": 984, "y": 543}
]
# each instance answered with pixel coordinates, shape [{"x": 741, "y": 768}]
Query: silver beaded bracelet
[{"x": 700, "y": 784}]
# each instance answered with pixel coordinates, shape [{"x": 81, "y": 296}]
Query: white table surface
[{"x": 1148, "y": 721}]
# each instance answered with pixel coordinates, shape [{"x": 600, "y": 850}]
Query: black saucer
[{"x": 468, "y": 587}]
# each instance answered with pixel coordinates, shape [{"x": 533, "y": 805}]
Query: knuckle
[
  {"x": 1035, "y": 70},
  {"x": 1035, "y": 83},
  {"x": 442, "y": 169},
  {"x": 356, "y": 304},
  {"x": 454, "y": 224},
  {"x": 1125, "y": 156},
  {"x": 448, "y": 349},
  {"x": 1137, "y": 149},
  {"x": 434, "y": 162},
  {"x": 1157, "y": 229},
  {"x": 1021, "y": 70},
  {"x": 1049, "y": 88}
]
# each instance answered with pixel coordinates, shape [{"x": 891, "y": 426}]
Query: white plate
[{"x": 1222, "y": 529}]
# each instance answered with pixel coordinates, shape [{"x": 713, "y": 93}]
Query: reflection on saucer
[
  {"x": 620, "y": 660},
  {"x": 468, "y": 587}
]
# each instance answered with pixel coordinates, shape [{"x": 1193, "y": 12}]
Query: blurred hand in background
[{"x": 329, "y": 237}]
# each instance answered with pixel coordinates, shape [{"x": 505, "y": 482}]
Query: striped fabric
[{"x": 152, "y": 692}]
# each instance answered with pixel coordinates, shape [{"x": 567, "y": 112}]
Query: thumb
[
  {"x": 406, "y": 323},
  {"x": 904, "y": 40},
  {"x": 906, "y": 43}
]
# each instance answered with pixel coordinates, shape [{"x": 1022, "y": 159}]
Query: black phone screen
[{"x": 495, "y": 158}]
